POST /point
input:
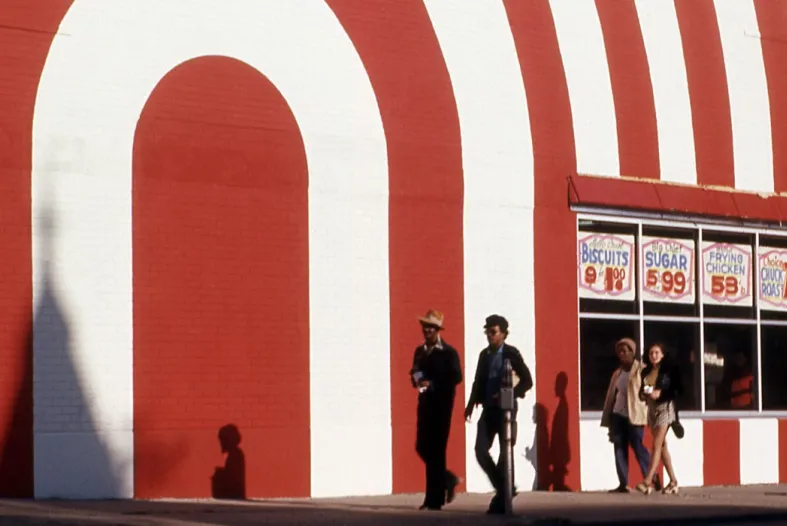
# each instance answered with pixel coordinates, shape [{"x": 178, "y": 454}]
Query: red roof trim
[{"x": 655, "y": 196}]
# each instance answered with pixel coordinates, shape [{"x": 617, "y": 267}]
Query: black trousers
[
  {"x": 490, "y": 425},
  {"x": 434, "y": 426}
]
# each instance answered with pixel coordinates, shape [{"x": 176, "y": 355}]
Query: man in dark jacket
[
  {"x": 486, "y": 391},
  {"x": 436, "y": 372}
]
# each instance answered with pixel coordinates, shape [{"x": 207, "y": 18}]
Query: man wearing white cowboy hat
[{"x": 436, "y": 372}]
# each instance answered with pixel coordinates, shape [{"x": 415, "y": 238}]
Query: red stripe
[
  {"x": 406, "y": 67},
  {"x": 772, "y": 21},
  {"x": 221, "y": 285},
  {"x": 635, "y": 109},
  {"x": 782, "y": 451},
  {"x": 721, "y": 449},
  {"x": 710, "y": 101},
  {"x": 556, "y": 326},
  {"x": 26, "y": 32}
]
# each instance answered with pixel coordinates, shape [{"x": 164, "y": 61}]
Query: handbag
[{"x": 677, "y": 427}]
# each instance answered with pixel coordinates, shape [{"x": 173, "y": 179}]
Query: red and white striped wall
[{"x": 223, "y": 212}]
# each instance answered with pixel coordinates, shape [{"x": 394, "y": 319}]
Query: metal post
[{"x": 507, "y": 405}]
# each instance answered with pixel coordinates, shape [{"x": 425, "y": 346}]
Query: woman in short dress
[{"x": 660, "y": 386}]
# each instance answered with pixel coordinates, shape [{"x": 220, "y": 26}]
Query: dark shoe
[
  {"x": 450, "y": 491},
  {"x": 657, "y": 483},
  {"x": 496, "y": 505},
  {"x": 620, "y": 489},
  {"x": 429, "y": 507}
]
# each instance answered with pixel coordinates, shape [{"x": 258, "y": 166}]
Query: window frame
[{"x": 700, "y": 225}]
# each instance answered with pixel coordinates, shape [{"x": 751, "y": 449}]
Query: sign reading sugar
[
  {"x": 772, "y": 271},
  {"x": 605, "y": 266},
  {"x": 668, "y": 270},
  {"x": 726, "y": 274}
]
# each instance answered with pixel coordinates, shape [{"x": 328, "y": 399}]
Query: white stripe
[
  {"x": 589, "y": 86},
  {"x": 94, "y": 86},
  {"x": 664, "y": 48},
  {"x": 688, "y": 453},
  {"x": 748, "y": 89},
  {"x": 759, "y": 450},
  {"x": 596, "y": 457},
  {"x": 479, "y": 50}
]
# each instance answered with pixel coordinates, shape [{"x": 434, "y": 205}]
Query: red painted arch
[{"x": 221, "y": 283}]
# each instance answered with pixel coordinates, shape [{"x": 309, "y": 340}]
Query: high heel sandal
[
  {"x": 645, "y": 488},
  {"x": 671, "y": 488}
]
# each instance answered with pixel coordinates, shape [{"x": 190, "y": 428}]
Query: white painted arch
[{"x": 104, "y": 63}]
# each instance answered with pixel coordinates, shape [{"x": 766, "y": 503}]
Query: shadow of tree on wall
[{"x": 71, "y": 459}]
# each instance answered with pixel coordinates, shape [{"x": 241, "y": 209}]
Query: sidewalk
[{"x": 720, "y": 505}]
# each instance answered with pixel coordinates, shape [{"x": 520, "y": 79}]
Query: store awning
[{"x": 656, "y": 196}]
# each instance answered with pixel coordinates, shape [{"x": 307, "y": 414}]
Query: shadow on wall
[
  {"x": 229, "y": 482},
  {"x": 71, "y": 459},
  {"x": 552, "y": 454},
  {"x": 16, "y": 458}
]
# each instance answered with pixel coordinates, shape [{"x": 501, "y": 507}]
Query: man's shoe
[
  {"x": 450, "y": 492},
  {"x": 620, "y": 489},
  {"x": 657, "y": 483}
]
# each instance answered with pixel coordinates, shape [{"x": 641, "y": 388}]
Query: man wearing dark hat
[
  {"x": 486, "y": 392},
  {"x": 436, "y": 372}
]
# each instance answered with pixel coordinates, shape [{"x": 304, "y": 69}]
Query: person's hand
[
  {"x": 468, "y": 412},
  {"x": 655, "y": 394},
  {"x": 424, "y": 384}
]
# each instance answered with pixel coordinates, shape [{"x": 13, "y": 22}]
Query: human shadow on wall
[
  {"x": 559, "y": 447},
  {"x": 71, "y": 458},
  {"x": 538, "y": 453},
  {"x": 16, "y": 459},
  {"x": 553, "y": 450},
  {"x": 229, "y": 481}
]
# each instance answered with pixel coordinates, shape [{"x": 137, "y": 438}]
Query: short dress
[{"x": 660, "y": 413}]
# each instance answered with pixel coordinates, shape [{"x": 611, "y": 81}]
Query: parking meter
[{"x": 507, "y": 405}]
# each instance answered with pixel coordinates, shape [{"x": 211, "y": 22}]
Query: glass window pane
[
  {"x": 730, "y": 281},
  {"x": 730, "y": 367},
  {"x": 665, "y": 276},
  {"x": 770, "y": 311},
  {"x": 609, "y": 305},
  {"x": 681, "y": 341},
  {"x": 597, "y": 356},
  {"x": 774, "y": 367}
]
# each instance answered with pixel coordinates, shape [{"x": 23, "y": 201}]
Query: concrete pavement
[{"x": 719, "y": 505}]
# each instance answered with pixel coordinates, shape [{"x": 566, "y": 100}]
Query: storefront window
[
  {"x": 598, "y": 337},
  {"x": 774, "y": 367},
  {"x": 730, "y": 361},
  {"x": 681, "y": 342},
  {"x": 714, "y": 297}
]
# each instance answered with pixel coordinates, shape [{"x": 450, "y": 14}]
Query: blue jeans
[{"x": 625, "y": 435}]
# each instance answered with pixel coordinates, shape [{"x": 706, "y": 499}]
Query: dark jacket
[
  {"x": 510, "y": 352},
  {"x": 443, "y": 370},
  {"x": 668, "y": 381}
]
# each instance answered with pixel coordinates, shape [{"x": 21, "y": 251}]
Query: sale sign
[
  {"x": 606, "y": 265},
  {"x": 772, "y": 271},
  {"x": 668, "y": 270},
  {"x": 726, "y": 274}
]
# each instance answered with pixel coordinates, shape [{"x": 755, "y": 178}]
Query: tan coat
[{"x": 638, "y": 409}]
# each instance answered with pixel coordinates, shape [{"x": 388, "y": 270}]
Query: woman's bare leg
[
  {"x": 659, "y": 435},
  {"x": 667, "y": 457}
]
